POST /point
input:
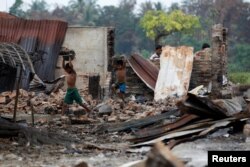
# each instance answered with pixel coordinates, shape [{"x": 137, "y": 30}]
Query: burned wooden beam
[
  {"x": 17, "y": 92},
  {"x": 94, "y": 85},
  {"x": 161, "y": 156},
  {"x": 124, "y": 126}
]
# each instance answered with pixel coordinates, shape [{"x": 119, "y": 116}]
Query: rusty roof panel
[
  {"x": 43, "y": 37},
  {"x": 174, "y": 76},
  {"x": 144, "y": 69},
  {"x": 6, "y": 15}
]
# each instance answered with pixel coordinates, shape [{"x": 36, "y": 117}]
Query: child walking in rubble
[
  {"x": 72, "y": 93},
  {"x": 120, "y": 86}
]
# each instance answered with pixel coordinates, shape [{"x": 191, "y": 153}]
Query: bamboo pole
[{"x": 17, "y": 91}]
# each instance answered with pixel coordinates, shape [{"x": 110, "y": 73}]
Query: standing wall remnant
[
  {"x": 202, "y": 68},
  {"x": 219, "y": 59}
]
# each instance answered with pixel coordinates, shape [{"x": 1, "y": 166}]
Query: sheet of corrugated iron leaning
[
  {"x": 42, "y": 38},
  {"x": 144, "y": 70},
  {"x": 174, "y": 76}
]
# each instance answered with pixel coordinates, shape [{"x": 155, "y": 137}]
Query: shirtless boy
[
  {"x": 72, "y": 92},
  {"x": 120, "y": 86}
]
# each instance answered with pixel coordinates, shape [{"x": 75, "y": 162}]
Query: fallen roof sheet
[
  {"x": 42, "y": 39},
  {"x": 146, "y": 134},
  {"x": 202, "y": 130},
  {"x": 144, "y": 69}
]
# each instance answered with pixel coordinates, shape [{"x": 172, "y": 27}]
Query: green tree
[
  {"x": 83, "y": 12},
  {"x": 158, "y": 24},
  {"x": 124, "y": 21},
  {"x": 240, "y": 62},
  {"x": 16, "y": 9}
]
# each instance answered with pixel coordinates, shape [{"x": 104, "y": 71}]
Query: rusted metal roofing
[
  {"x": 42, "y": 39},
  {"x": 176, "y": 66},
  {"x": 144, "y": 69},
  {"x": 6, "y": 15}
]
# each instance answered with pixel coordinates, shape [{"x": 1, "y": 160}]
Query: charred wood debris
[{"x": 147, "y": 122}]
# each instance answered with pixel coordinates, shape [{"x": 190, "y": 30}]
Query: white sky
[{"x": 6, "y": 4}]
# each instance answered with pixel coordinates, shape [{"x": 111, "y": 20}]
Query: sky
[{"x": 5, "y": 4}]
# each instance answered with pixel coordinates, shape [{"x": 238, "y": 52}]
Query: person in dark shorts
[{"x": 72, "y": 93}]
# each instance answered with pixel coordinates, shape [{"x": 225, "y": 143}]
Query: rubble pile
[
  {"x": 118, "y": 111},
  {"x": 112, "y": 110},
  {"x": 41, "y": 102}
]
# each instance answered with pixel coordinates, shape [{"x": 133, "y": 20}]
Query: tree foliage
[
  {"x": 159, "y": 23},
  {"x": 16, "y": 9}
]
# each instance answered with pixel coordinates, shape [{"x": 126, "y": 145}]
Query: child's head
[
  {"x": 158, "y": 50},
  {"x": 119, "y": 64},
  {"x": 205, "y": 45}
]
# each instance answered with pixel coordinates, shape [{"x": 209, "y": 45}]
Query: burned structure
[
  {"x": 202, "y": 68},
  {"x": 219, "y": 59},
  {"x": 41, "y": 39},
  {"x": 94, "y": 49},
  {"x": 210, "y": 64}
]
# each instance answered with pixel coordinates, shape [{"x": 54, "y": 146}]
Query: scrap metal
[
  {"x": 211, "y": 117},
  {"x": 144, "y": 69},
  {"x": 174, "y": 76},
  {"x": 146, "y": 134},
  {"x": 39, "y": 38},
  {"x": 203, "y": 107}
]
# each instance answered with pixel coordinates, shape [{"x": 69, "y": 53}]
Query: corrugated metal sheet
[
  {"x": 174, "y": 76},
  {"x": 144, "y": 69},
  {"x": 42, "y": 38},
  {"x": 6, "y": 15}
]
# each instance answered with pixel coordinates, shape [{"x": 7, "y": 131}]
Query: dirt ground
[
  {"x": 105, "y": 150},
  {"x": 98, "y": 150}
]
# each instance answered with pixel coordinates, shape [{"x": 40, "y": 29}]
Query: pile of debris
[
  {"x": 40, "y": 101},
  {"x": 195, "y": 117},
  {"x": 114, "y": 111}
]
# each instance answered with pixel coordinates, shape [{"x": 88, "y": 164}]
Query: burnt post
[
  {"x": 110, "y": 46},
  {"x": 94, "y": 85},
  {"x": 219, "y": 59},
  {"x": 19, "y": 73}
]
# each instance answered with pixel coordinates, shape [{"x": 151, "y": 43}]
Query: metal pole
[{"x": 17, "y": 91}]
